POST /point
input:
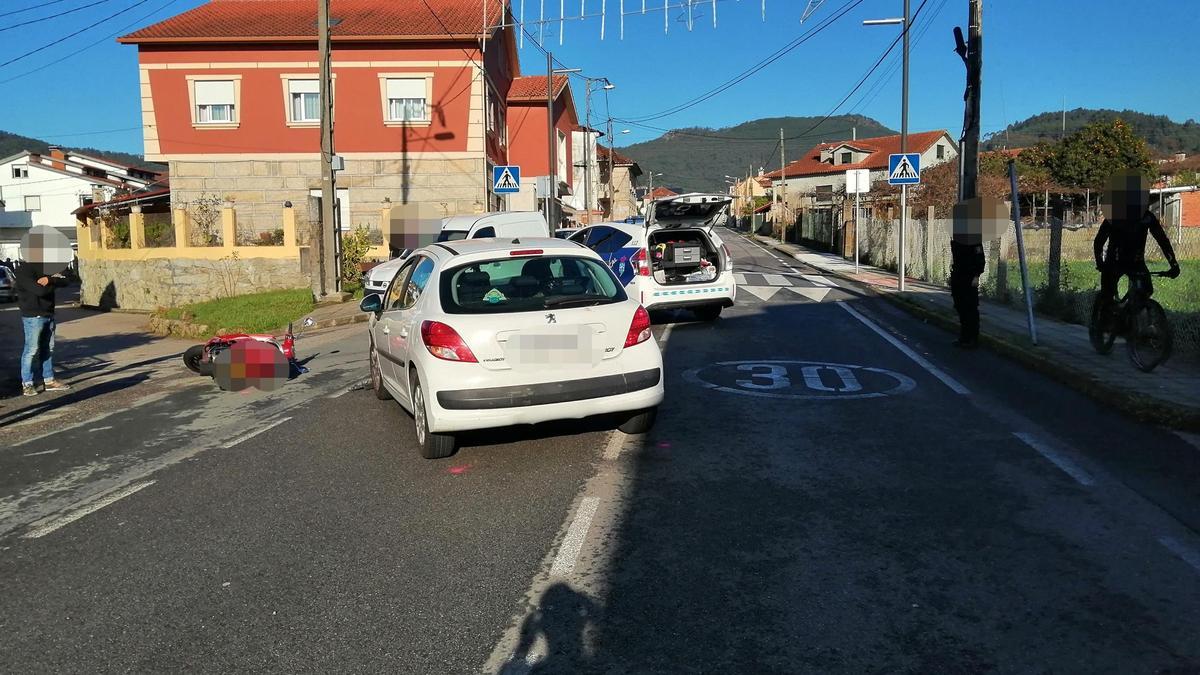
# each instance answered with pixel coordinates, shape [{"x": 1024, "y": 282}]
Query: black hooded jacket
[{"x": 33, "y": 298}]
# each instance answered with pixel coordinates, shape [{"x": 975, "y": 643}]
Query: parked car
[
  {"x": 674, "y": 259},
  {"x": 482, "y": 333},
  {"x": 507, "y": 224},
  {"x": 8, "y": 285}
]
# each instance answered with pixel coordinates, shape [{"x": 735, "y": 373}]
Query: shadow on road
[
  {"x": 562, "y": 619},
  {"x": 52, "y": 402}
]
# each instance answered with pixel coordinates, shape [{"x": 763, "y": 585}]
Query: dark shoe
[
  {"x": 55, "y": 385},
  {"x": 28, "y": 390},
  {"x": 966, "y": 344}
]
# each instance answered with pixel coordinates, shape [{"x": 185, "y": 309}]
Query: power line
[
  {"x": 84, "y": 133},
  {"x": 124, "y": 28},
  {"x": 30, "y": 9},
  {"x": 53, "y": 16},
  {"x": 68, "y": 37}
]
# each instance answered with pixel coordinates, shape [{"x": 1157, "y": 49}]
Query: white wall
[
  {"x": 60, "y": 195},
  {"x": 580, "y": 139}
]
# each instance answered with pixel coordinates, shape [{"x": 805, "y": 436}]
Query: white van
[{"x": 507, "y": 224}]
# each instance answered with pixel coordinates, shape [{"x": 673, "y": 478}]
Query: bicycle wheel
[
  {"x": 1100, "y": 328},
  {"x": 1150, "y": 338}
]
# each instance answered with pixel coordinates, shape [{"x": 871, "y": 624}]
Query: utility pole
[
  {"x": 903, "y": 148},
  {"x": 329, "y": 278},
  {"x": 612, "y": 191},
  {"x": 587, "y": 162},
  {"x": 971, "y": 53},
  {"x": 782, "y": 187},
  {"x": 551, "y": 146}
]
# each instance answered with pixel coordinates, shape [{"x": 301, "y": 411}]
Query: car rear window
[
  {"x": 451, "y": 235},
  {"x": 528, "y": 284}
]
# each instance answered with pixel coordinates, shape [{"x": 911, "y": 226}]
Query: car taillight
[
  {"x": 639, "y": 329},
  {"x": 640, "y": 263},
  {"x": 445, "y": 343}
]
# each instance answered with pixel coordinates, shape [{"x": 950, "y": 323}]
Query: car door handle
[
  {"x": 387, "y": 330},
  {"x": 404, "y": 332}
]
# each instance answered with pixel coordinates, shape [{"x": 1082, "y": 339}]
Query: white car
[
  {"x": 507, "y": 224},
  {"x": 485, "y": 333},
  {"x": 674, "y": 259}
]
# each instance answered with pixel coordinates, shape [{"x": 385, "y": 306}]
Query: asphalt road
[{"x": 830, "y": 487}]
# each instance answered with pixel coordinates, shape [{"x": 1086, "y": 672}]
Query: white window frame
[
  {"x": 237, "y": 101},
  {"x": 285, "y": 80},
  {"x": 26, "y": 203},
  {"x": 561, "y": 152},
  {"x": 941, "y": 151},
  {"x": 20, "y": 171},
  {"x": 386, "y": 108}
]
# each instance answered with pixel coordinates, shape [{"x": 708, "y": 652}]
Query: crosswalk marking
[
  {"x": 818, "y": 280},
  {"x": 739, "y": 278},
  {"x": 814, "y": 294},
  {"x": 776, "y": 280},
  {"x": 761, "y": 292}
]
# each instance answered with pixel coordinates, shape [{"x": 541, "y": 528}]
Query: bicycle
[{"x": 1137, "y": 317}]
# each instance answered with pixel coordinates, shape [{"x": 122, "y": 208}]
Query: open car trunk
[{"x": 683, "y": 256}]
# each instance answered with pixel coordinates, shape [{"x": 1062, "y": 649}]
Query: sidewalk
[{"x": 1170, "y": 395}]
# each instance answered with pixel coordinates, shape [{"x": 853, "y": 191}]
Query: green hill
[
  {"x": 11, "y": 144},
  {"x": 1164, "y": 136},
  {"x": 698, "y": 159}
]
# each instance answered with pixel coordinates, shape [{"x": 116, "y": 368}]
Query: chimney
[
  {"x": 57, "y": 156},
  {"x": 1180, "y": 156}
]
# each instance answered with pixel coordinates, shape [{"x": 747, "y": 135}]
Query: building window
[
  {"x": 941, "y": 151},
  {"x": 20, "y": 172},
  {"x": 824, "y": 193},
  {"x": 33, "y": 203},
  {"x": 847, "y": 157},
  {"x": 304, "y": 100},
  {"x": 562, "y": 155},
  {"x": 406, "y": 99},
  {"x": 214, "y": 100}
]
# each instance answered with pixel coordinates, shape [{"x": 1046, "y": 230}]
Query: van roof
[{"x": 466, "y": 222}]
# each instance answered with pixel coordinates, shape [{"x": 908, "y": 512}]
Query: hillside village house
[
  {"x": 618, "y": 197},
  {"x": 529, "y": 136},
  {"x": 38, "y": 189},
  {"x": 820, "y": 173},
  {"x": 230, "y": 101},
  {"x": 649, "y": 196}
]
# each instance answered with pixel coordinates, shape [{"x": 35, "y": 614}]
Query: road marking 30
[
  {"x": 954, "y": 384},
  {"x": 1058, "y": 459},
  {"x": 564, "y": 562},
  {"x": 101, "y": 502}
]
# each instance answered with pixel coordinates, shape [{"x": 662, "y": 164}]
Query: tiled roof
[
  {"x": 880, "y": 147},
  {"x": 286, "y": 20},
  {"x": 618, "y": 158},
  {"x": 533, "y": 88},
  {"x": 662, "y": 193}
]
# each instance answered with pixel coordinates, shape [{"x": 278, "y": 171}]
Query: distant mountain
[
  {"x": 1164, "y": 136},
  {"x": 698, "y": 159},
  {"x": 11, "y": 144}
]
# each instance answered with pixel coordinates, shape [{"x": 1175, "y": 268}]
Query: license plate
[{"x": 542, "y": 348}]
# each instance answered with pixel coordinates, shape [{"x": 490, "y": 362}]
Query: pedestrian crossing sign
[
  {"x": 904, "y": 168},
  {"x": 506, "y": 179}
]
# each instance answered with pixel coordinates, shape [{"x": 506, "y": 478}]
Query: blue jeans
[{"x": 39, "y": 343}]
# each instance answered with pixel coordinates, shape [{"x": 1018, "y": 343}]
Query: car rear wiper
[{"x": 574, "y": 301}]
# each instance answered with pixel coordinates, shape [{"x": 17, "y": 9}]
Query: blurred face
[
  {"x": 1126, "y": 196},
  {"x": 979, "y": 219}
]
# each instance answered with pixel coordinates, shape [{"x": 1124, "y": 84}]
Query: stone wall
[
  {"x": 259, "y": 188},
  {"x": 170, "y": 282}
]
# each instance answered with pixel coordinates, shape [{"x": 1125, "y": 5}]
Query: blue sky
[{"x": 1099, "y": 53}]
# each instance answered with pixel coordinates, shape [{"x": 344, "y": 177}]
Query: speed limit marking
[{"x": 800, "y": 380}]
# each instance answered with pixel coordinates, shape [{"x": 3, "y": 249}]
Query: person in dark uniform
[
  {"x": 1127, "y": 221},
  {"x": 966, "y": 265}
]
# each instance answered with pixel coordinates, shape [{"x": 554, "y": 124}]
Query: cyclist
[{"x": 1127, "y": 221}]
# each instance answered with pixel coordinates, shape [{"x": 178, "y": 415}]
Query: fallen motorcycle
[{"x": 200, "y": 358}]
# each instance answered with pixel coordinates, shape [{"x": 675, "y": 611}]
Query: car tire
[
  {"x": 431, "y": 445},
  {"x": 708, "y": 312},
  {"x": 381, "y": 391},
  {"x": 641, "y": 422}
]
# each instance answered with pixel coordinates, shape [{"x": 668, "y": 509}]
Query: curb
[{"x": 1143, "y": 407}]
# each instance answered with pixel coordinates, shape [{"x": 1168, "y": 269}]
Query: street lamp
[{"x": 905, "y": 22}]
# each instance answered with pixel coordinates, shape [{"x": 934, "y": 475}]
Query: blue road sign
[
  {"x": 904, "y": 168},
  {"x": 506, "y": 179}
]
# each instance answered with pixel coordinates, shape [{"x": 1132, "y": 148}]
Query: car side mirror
[{"x": 372, "y": 303}]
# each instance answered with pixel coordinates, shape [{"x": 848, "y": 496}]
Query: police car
[{"x": 673, "y": 259}]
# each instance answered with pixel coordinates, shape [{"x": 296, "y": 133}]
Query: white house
[
  {"x": 44, "y": 190},
  {"x": 586, "y": 176}
]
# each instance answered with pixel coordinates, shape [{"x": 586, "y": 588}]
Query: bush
[{"x": 355, "y": 245}]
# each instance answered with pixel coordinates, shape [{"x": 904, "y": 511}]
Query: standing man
[
  {"x": 973, "y": 219},
  {"x": 35, "y": 296}
]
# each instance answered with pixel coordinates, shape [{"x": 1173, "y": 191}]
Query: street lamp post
[{"x": 903, "y": 133}]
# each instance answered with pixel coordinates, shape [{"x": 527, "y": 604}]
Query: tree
[{"x": 1086, "y": 158}]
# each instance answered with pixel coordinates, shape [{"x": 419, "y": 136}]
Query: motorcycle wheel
[{"x": 193, "y": 358}]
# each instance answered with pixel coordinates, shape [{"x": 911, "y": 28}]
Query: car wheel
[
  {"x": 431, "y": 445},
  {"x": 708, "y": 312},
  {"x": 641, "y": 422},
  {"x": 381, "y": 391}
]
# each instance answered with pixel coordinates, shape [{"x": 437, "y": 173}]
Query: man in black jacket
[{"x": 35, "y": 296}]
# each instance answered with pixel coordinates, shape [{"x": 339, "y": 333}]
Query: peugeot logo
[{"x": 550, "y": 318}]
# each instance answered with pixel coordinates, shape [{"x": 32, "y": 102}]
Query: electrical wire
[
  {"x": 53, "y": 16},
  {"x": 30, "y": 9},
  {"x": 68, "y": 37}
]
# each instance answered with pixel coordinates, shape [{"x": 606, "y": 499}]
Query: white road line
[
  {"x": 44, "y": 452},
  {"x": 954, "y": 384},
  {"x": 95, "y": 429},
  {"x": 1190, "y": 556},
  {"x": 1189, "y": 438},
  {"x": 1068, "y": 467},
  {"x": 666, "y": 335},
  {"x": 763, "y": 293},
  {"x": 339, "y": 394},
  {"x": 92, "y": 507},
  {"x": 776, "y": 280},
  {"x": 252, "y": 434},
  {"x": 564, "y": 562},
  {"x": 739, "y": 278}
]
